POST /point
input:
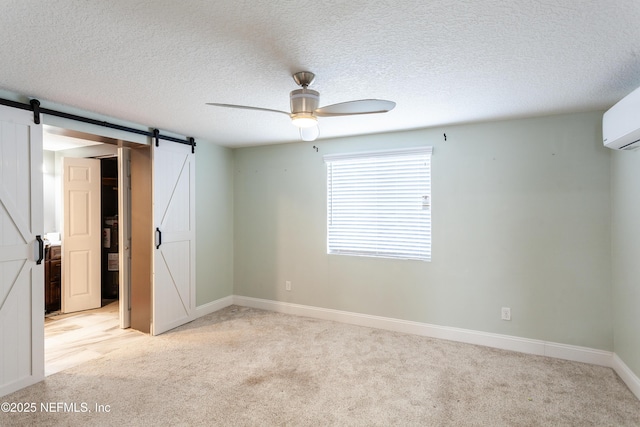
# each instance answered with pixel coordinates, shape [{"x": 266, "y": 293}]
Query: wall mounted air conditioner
[{"x": 621, "y": 123}]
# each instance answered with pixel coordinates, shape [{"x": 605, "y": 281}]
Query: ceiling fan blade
[
  {"x": 309, "y": 133},
  {"x": 245, "y": 107},
  {"x": 350, "y": 108}
]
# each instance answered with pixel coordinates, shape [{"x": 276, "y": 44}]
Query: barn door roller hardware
[{"x": 34, "y": 105}]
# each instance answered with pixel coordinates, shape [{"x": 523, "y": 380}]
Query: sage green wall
[
  {"x": 214, "y": 222},
  {"x": 625, "y": 191},
  {"x": 521, "y": 219}
]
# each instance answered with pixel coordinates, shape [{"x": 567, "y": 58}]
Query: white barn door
[
  {"x": 174, "y": 289},
  {"x": 21, "y": 277}
]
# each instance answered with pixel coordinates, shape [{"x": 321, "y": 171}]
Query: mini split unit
[{"x": 621, "y": 123}]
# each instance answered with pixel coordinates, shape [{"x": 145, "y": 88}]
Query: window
[{"x": 379, "y": 203}]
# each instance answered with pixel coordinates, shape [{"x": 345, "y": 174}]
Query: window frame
[{"x": 369, "y": 216}]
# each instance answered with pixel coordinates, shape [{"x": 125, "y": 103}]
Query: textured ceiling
[{"x": 157, "y": 62}]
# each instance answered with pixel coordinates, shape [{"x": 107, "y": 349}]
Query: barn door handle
[
  {"x": 158, "y": 238},
  {"x": 40, "y": 250}
]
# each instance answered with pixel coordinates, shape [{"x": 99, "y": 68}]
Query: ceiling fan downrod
[{"x": 304, "y": 78}]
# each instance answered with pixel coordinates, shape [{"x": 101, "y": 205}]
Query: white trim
[
  {"x": 579, "y": 354},
  {"x": 213, "y": 306},
  {"x": 377, "y": 153},
  {"x": 627, "y": 375},
  {"x": 505, "y": 342}
]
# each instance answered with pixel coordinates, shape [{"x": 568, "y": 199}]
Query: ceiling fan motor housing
[{"x": 304, "y": 101}]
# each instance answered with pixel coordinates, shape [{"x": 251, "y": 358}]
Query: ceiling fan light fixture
[
  {"x": 309, "y": 134},
  {"x": 304, "y": 120}
]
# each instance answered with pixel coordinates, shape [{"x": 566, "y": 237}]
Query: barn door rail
[{"x": 34, "y": 105}]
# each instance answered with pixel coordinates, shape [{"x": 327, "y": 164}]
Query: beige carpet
[{"x": 242, "y": 366}]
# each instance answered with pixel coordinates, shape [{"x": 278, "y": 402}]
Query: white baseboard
[
  {"x": 505, "y": 342},
  {"x": 213, "y": 306},
  {"x": 627, "y": 375}
]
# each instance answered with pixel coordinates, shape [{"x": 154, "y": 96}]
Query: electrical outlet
[
  {"x": 287, "y": 285},
  {"x": 506, "y": 313}
]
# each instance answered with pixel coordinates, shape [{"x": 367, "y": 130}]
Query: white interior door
[
  {"x": 82, "y": 237},
  {"x": 174, "y": 223},
  {"x": 21, "y": 277},
  {"x": 124, "y": 230}
]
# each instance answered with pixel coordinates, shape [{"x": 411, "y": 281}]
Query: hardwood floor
[{"x": 72, "y": 339}]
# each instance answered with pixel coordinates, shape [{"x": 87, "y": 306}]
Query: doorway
[
  {"x": 113, "y": 159},
  {"x": 113, "y": 219},
  {"x": 78, "y": 210}
]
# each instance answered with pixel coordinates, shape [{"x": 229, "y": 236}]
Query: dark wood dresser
[{"x": 52, "y": 278}]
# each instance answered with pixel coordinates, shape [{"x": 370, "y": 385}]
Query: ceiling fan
[{"x": 304, "y": 107}]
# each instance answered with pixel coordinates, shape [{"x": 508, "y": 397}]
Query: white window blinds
[{"x": 379, "y": 203}]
